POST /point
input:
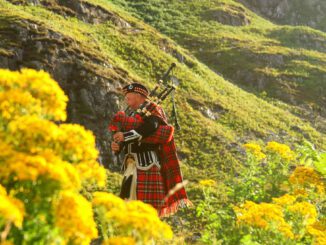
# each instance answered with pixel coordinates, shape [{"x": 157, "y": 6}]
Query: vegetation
[
  {"x": 248, "y": 146},
  {"x": 51, "y": 190},
  {"x": 286, "y": 63}
]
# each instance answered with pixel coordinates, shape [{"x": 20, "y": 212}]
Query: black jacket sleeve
[{"x": 149, "y": 126}]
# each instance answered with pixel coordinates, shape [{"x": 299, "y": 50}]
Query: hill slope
[
  {"x": 285, "y": 63},
  {"x": 299, "y": 12},
  {"x": 92, "y": 53},
  {"x": 94, "y": 47}
]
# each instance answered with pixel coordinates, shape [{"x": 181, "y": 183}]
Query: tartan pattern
[
  {"x": 150, "y": 187},
  {"x": 170, "y": 169},
  {"x": 121, "y": 122}
]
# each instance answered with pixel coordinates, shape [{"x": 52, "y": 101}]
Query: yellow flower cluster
[
  {"x": 74, "y": 216},
  {"x": 255, "y": 150},
  {"x": 11, "y": 209},
  {"x": 32, "y": 92},
  {"x": 32, "y": 134},
  {"x": 207, "y": 182},
  {"x": 283, "y": 150},
  {"x": 318, "y": 231},
  {"x": 92, "y": 174},
  {"x": 142, "y": 218},
  {"x": 14, "y": 103},
  {"x": 271, "y": 215},
  {"x": 32, "y": 147},
  {"x": 6, "y": 243},
  {"x": 306, "y": 210},
  {"x": 307, "y": 176},
  {"x": 119, "y": 240},
  {"x": 37, "y": 136},
  {"x": 29, "y": 167},
  {"x": 77, "y": 143},
  {"x": 284, "y": 200},
  {"x": 263, "y": 215}
]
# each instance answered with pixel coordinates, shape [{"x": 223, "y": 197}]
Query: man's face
[{"x": 134, "y": 100}]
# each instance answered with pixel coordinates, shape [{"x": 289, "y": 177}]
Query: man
[{"x": 151, "y": 169}]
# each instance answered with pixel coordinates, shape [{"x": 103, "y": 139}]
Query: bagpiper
[{"x": 151, "y": 166}]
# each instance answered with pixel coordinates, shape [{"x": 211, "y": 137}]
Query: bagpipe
[{"x": 122, "y": 121}]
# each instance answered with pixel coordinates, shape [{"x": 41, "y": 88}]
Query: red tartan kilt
[{"x": 150, "y": 187}]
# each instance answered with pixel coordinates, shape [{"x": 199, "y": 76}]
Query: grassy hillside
[
  {"x": 145, "y": 54},
  {"x": 216, "y": 116},
  {"x": 275, "y": 62},
  {"x": 139, "y": 51}
]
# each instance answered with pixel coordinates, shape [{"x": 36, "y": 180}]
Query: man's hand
[
  {"x": 118, "y": 137},
  {"x": 115, "y": 147}
]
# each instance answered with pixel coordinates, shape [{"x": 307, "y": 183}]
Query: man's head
[{"x": 135, "y": 94}]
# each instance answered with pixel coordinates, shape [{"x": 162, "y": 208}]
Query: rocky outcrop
[
  {"x": 228, "y": 15},
  {"x": 213, "y": 112},
  {"x": 296, "y": 12},
  {"x": 82, "y": 10},
  {"x": 93, "y": 95}
]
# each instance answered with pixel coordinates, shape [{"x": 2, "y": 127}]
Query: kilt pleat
[{"x": 150, "y": 187}]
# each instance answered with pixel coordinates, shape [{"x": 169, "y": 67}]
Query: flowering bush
[
  {"x": 264, "y": 173},
  {"x": 45, "y": 166},
  {"x": 120, "y": 219},
  {"x": 295, "y": 217},
  {"x": 277, "y": 198}
]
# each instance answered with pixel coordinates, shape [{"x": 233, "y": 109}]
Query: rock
[
  {"x": 194, "y": 238},
  {"x": 295, "y": 12},
  {"x": 213, "y": 112},
  {"x": 93, "y": 97},
  {"x": 234, "y": 17}
]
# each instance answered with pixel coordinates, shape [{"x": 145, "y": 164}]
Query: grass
[
  {"x": 208, "y": 148},
  {"x": 248, "y": 117},
  {"x": 228, "y": 49}
]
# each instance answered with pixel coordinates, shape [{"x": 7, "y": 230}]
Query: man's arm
[{"x": 147, "y": 128}]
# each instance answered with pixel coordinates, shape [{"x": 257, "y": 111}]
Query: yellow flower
[
  {"x": 6, "y": 243},
  {"x": 74, "y": 216},
  {"x": 108, "y": 200},
  {"x": 32, "y": 133},
  {"x": 283, "y": 150},
  {"x": 135, "y": 215},
  {"x": 318, "y": 231},
  {"x": 306, "y": 209},
  {"x": 307, "y": 176},
  {"x": 300, "y": 192},
  {"x": 284, "y": 200},
  {"x": 263, "y": 215},
  {"x": 40, "y": 86},
  {"x": 207, "y": 182},
  {"x": 255, "y": 150},
  {"x": 30, "y": 167},
  {"x": 92, "y": 173},
  {"x": 16, "y": 103},
  {"x": 11, "y": 209},
  {"x": 286, "y": 230},
  {"x": 77, "y": 143},
  {"x": 119, "y": 241}
]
